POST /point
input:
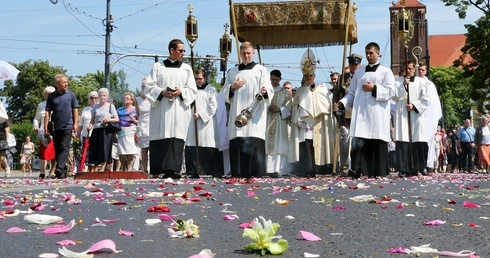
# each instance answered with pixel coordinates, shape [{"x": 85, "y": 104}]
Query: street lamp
[
  {"x": 224, "y": 48},
  {"x": 191, "y": 32}
]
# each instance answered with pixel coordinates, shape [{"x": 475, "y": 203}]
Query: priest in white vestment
[
  {"x": 248, "y": 86},
  {"x": 277, "y": 139},
  {"x": 312, "y": 127},
  {"x": 411, "y": 96},
  {"x": 170, "y": 89}
]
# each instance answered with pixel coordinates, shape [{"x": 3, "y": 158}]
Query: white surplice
[
  {"x": 170, "y": 118},
  {"x": 432, "y": 115},
  {"x": 206, "y": 107},
  {"x": 420, "y": 100},
  {"x": 370, "y": 115},
  {"x": 243, "y": 98}
]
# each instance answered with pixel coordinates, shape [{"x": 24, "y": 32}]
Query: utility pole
[{"x": 108, "y": 30}]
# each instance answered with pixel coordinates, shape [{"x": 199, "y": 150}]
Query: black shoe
[
  {"x": 353, "y": 174},
  {"x": 273, "y": 175},
  {"x": 42, "y": 176},
  {"x": 172, "y": 174},
  {"x": 60, "y": 174}
]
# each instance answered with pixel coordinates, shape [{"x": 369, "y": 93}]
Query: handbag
[
  {"x": 4, "y": 145},
  {"x": 113, "y": 126},
  {"x": 51, "y": 127}
]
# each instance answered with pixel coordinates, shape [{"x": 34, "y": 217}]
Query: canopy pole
[
  {"x": 235, "y": 30},
  {"x": 337, "y": 97},
  {"x": 258, "y": 52}
]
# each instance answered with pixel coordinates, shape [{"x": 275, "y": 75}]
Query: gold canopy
[{"x": 295, "y": 24}]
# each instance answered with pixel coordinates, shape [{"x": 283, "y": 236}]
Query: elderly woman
[
  {"x": 143, "y": 131},
  {"x": 100, "y": 149},
  {"x": 82, "y": 130},
  {"x": 128, "y": 120},
  {"x": 46, "y": 146},
  {"x": 482, "y": 141}
]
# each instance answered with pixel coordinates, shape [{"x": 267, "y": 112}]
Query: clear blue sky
[{"x": 71, "y": 33}]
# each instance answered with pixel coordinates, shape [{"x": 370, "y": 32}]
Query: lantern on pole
[
  {"x": 224, "y": 48},
  {"x": 191, "y": 32},
  {"x": 405, "y": 25}
]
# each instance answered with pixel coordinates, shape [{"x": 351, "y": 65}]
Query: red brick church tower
[{"x": 419, "y": 34}]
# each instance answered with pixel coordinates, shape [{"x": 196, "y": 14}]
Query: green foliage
[
  {"x": 477, "y": 46},
  {"x": 452, "y": 86},
  {"x": 22, "y": 99},
  {"x": 208, "y": 66},
  {"x": 462, "y": 6}
]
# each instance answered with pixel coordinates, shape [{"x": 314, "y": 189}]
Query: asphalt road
[{"x": 336, "y": 210}]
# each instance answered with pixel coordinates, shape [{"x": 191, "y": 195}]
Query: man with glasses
[
  {"x": 204, "y": 120},
  {"x": 369, "y": 94},
  {"x": 411, "y": 97},
  {"x": 170, "y": 89}
]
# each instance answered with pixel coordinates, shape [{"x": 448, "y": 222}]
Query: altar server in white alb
[
  {"x": 369, "y": 94},
  {"x": 411, "y": 157},
  {"x": 432, "y": 115},
  {"x": 204, "y": 119},
  {"x": 277, "y": 139},
  {"x": 247, "y": 143},
  {"x": 170, "y": 89}
]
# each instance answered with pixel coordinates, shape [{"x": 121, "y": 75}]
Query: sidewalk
[{"x": 19, "y": 174}]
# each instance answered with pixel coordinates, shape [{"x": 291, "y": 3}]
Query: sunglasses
[
  {"x": 94, "y": 98},
  {"x": 181, "y": 50}
]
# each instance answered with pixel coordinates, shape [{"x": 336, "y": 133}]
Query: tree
[
  {"x": 452, "y": 86},
  {"x": 477, "y": 46},
  {"x": 462, "y": 6},
  {"x": 22, "y": 99},
  {"x": 206, "y": 65}
]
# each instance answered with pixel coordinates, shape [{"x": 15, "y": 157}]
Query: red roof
[
  {"x": 444, "y": 49},
  {"x": 408, "y": 3}
]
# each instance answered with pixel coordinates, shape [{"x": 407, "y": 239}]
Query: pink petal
[
  {"x": 247, "y": 224},
  {"x": 66, "y": 242},
  {"x": 15, "y": 230},
  {"x": 164, "y": 216},
  {"x": 399, "y": 206},
  {"x": 434, "y": 223},
  {"x": 125, "y": 233},
  {"x": 339, "y": 208},
  {"x": 308, "y": 236},
  {"x": 251, "y": 194},
  {"x": 110, "y": 220},
  {"x": 470, "y": 205},
  {"x": 103, "y": 244},
  {"x": 399, "y": 250},
  {"x": 60, "y": 230},
  {"x": 230, "y": 217}
]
